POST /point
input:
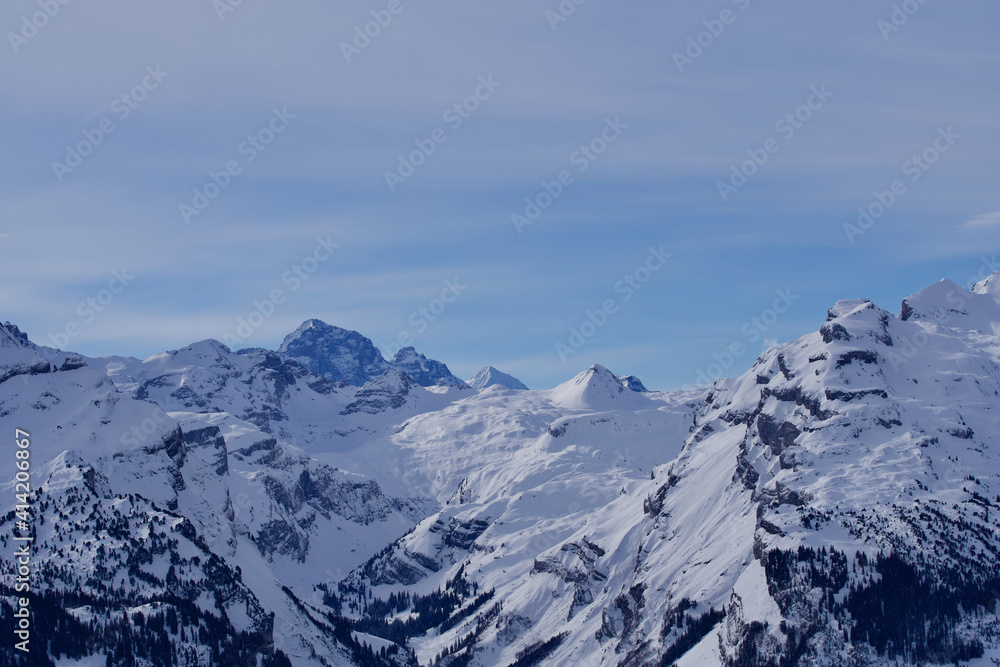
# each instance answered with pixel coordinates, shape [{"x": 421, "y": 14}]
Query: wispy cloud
[
  {"x": 325, "y": 176},
  {"x": 984, "y": 221}
]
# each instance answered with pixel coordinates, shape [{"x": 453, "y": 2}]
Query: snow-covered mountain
[
  {"x": 487, "y": 376},
  {"x": 425, "y": 372},
  {"x": 336, "y": 354},
  {"x": 344, "y": 356},
  {"x": 837, "y": 504},
  {"x": 831, "y": 506}
]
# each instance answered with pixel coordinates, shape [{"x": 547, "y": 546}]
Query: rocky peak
[
  {"x": 425, "y": 372},
  {"x": 335, "y": 353},
  {"x": 633, "y": 383}
]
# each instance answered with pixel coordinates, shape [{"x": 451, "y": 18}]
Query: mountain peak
[
  {"x": 10, "y": 333},
  {"x": 335, "y": 353},
  {"x": 947, "y": 304},
  {"x": 487, "y": 376},
  {"x": 207, "y": 347},
  {"x": 989, "y": 285},
  {"x": 425, "y": 372},
  {"x": 596, "y": 388}
]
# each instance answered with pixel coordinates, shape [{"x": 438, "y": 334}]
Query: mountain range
[{"x": 836, "y": 504}]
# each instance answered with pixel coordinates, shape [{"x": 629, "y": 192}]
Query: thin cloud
[{"x": 984, "y": 221}]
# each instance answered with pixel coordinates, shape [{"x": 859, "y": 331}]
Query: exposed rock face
[
  {"x": 837, "y": 504},
  {"x": 389, "y": 391},
  {"x": 151, "y": 498},
  {"x": 632, "y": 382},
  {"x": 425, "y": 372},
  {"x": 344, "y": 356},
  {"x": 336, "y": 354},
  {"x": 792, "y": 528}
]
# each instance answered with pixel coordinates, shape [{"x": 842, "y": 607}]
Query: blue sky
[{"x": 891, "y": 93}]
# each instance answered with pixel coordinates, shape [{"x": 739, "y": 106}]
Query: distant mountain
[
  {"x": 488, "y": 376},
  {"x": 336, "y": 354},
  {"x": 596, "y": 388},
  {"x": 425, "y": 372},
  {"x": 150, "y": 496},
  {"x": 838, "y": 503},
  {"x": 341, "y": 355}
]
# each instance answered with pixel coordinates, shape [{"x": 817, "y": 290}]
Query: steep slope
[
  {"x": 336, "y": 354},
  {"x": 256, "y": 385},
  {"x": 199, "y": 522},
  {"x": 835, "y": 505},
  {"x": 425, "y": 372},
  {"x": 389, "y": 391},
  {"x": 598, "y": 389},
  {"x": 632, "y": 382}
]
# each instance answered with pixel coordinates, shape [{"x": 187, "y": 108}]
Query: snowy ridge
[
  {"x": 851, "y": 442},
  {"x": 837, "y": 504}
]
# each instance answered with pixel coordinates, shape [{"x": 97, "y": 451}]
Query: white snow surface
[{"x": 594, "y": 511}]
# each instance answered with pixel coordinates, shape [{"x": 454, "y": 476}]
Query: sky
[{"x": 662, "y": 188}]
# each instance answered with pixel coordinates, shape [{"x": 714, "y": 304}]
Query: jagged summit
[
  {"x": 24, "y": 356},
  {"x": 335, "y": 353},
  {"x": 488, "y": 376},
  {"x": 838, "y": 503},
  {"x": 342, "y": 355},
  {"x": 425, "y": 372},
  {"x": 12, "y": 334}
]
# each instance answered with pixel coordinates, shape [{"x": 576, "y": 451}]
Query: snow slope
[
  {"x": 837, "y": 504},
  {"x": 487, "y": 376}
]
